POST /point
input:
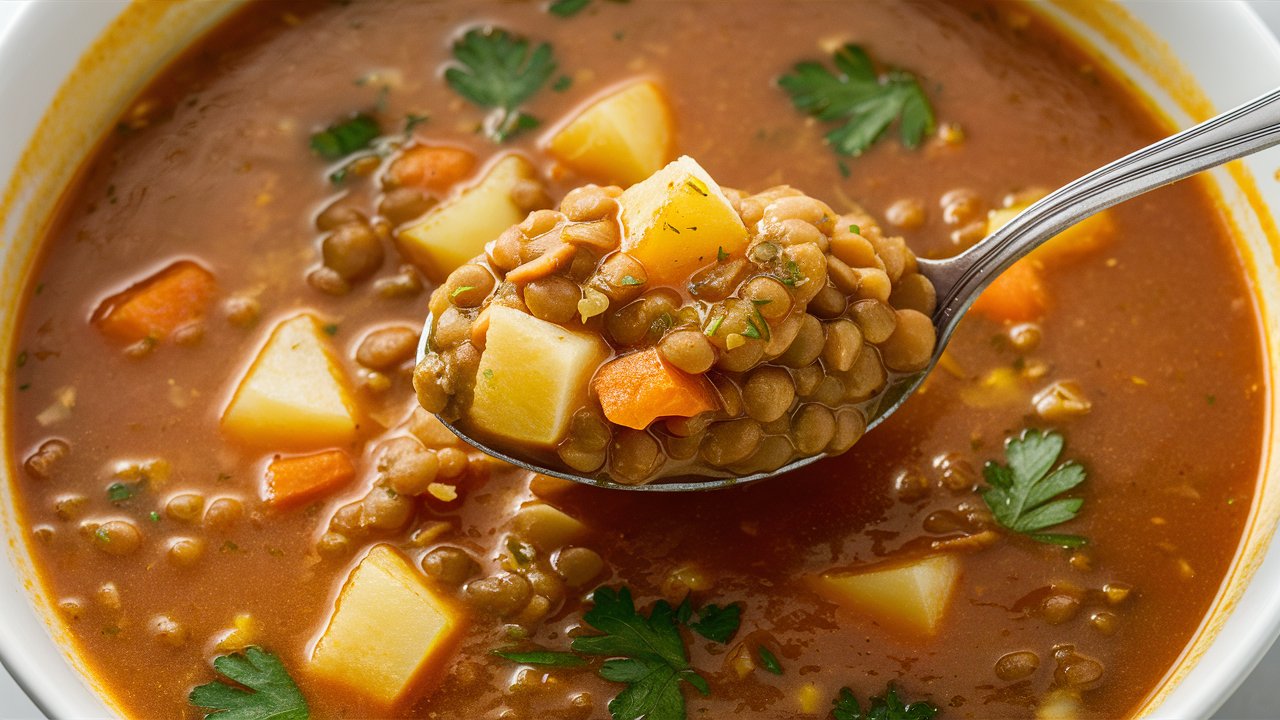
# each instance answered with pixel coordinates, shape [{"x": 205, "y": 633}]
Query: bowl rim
[{"x": 1250, "y": 622}]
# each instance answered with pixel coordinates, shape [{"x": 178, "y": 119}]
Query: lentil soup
[{"x": 220, "y": 455}]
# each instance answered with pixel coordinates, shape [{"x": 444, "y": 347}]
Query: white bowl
[{"x": 67, "y": 69}]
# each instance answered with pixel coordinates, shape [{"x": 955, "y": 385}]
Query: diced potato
[
  {"x": 547, "y": 528},
  {"x": 1087, "y": 236},
  {"x": 294, "y": 394},
  {"x": 913, "y": 596},
  {"x": 389, "y": 630},
  {"x": 678, "y": 221},
  {"x": 533, "y": 375},
  {"x": 457, "y": 229},
  {"x": 620, "y": 139}
]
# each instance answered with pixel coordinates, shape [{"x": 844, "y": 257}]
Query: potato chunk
[
  {"x": 294, "y": 394},
  {"x": 457, "y": 229},
  {"x": 620, "y": 139},
  {"x": 912, "y": 596},
  {"x": 547, "y": 528},
  {"x": 678, "y": 221},
  {"x": 533, "y": 375},
  {"x": 389, "y": 630}
]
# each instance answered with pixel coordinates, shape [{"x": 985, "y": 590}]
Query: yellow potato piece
[
  {"x": 678, "y": 221},
  {"x": 912, "y": 597},
  {"x": 456, "y": 230},
  {"x": 620, "y": 139},
  {"x": 547, "y": 528},
  {"x": 294, "y": 394},
  {"x": 533, "y": 375},
  {"x": 389, "y": 630},
  {"x": 1087, "y": 236}
]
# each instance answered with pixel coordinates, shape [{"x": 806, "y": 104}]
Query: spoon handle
[{"x": 1229, "y": 136}]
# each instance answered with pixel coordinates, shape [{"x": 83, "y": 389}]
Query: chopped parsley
[
  {"x": 768, "y": 660},
  {"x": 855, "y": 229},
  {"x": 1021, "y": 494},
  {"x": 721, "y": 255},
  {"x": 346, "y": 137},
  {"x": 889, "y": 707},
  {"x": 644, "y": 652},
  {"x": 865, "y": 101},
  {"x": 153, "y": 516},
  {"x": 567, "y": 8},
  {"x": 461, "y": 289},
  {"x": 562, "y": 83},
  {"x": 412, "y": 121},
  {"x": 629, "y": 280},
  {"x": 263, "y": 689},
  {"x": 498, "y": 70},
  {"x": 119, "y": 492},
  {"x": 714, "y": 326},
  {"x": 331, "y": 329}
]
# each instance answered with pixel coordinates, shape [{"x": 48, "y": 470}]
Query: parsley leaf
[
  {"x": 646, "y": 653},
  {"x": 567, "y": 8},
  {"x": 542, "y": 657},
  {"x": 714, "y": 622},
  {"x": 268, "y": 693},
  {"x": 498, "y": 70},
  {"x": 343, "y": 138},
  {"x": 889, "y": 707},
  {"x": 769, "y": 660},
  {"x": 119, "y": 492},
  {"x": 1021, "y": 496},
  {"x": 866, "y": 102}
]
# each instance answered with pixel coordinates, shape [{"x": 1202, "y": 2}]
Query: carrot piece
[
  {"x": 1017, "y": 295},
  {"x": 158, "y": 305},
  {"x": 637, "y": 389},
  {"x": 430, "y": 168},
  {"x": 294, "y": 480}
]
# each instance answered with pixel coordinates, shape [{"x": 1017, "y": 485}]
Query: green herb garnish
[
  {"x": 153, "y": 516},
  {"x": 21, "y": 359},
  {"x": 412, "y": 121},
  {"x": 644, "y": 652},
  {"x": 867, "y": 102},
  {"x": 498, "y": 70},
  {"x": 567, "y": 8},
  {"x": 629, "y": 280},
  {"x": 714, "y": 326},
  {"x": 751, "y": 330},
  {"x": 562, "y": 83},
  {"x": 721, "y": 255},
  {"x": 769, "y": 660},
  {"x": 1021, "y": 496},
  {"x": 542, "y": 657},
  {"x": 714, "y": 622},
  {"x": 855, "y": 229},
  {"x": 341, "y": 139},
  {"x": 119, "y": 492},
  {"x": 461, "y": 289},
  {"x": 263, "y": 690},
  {"x": 647, "y": 654},
  {"x": 331, "y": 329},
  {"x": 889, "y": 707}
]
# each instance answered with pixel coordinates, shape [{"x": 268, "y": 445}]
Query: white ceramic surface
[{"x": 1223, "y": 44}]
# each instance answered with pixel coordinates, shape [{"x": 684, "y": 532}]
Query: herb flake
[
  {"x": 550, "y": 658},
  {"x": 346, "y": 137},
  {"x": 567, "y": 8},
  {"x": 768, "y": 660},
  {"x": 889, "y": 707}
]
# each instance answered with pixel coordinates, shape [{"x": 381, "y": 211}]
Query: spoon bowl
[{"x": 959, "y": 280}]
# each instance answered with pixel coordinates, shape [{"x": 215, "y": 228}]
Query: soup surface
[{"x": 238, "y": 242}]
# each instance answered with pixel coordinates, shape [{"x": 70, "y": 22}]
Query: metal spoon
[{"x": 958, "y": 280}]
